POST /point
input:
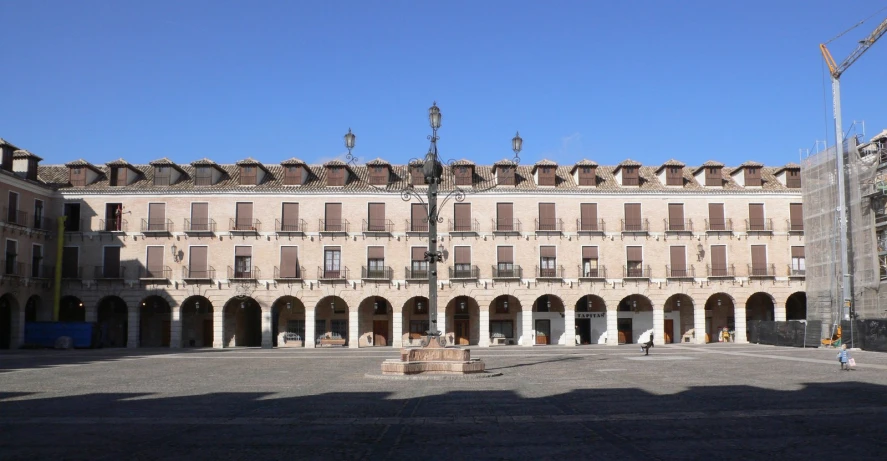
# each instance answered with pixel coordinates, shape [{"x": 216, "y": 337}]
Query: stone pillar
[
  {"x": 18, "y": 327},
  {"x": 699, "y": 323},
  {"x": 135, "y": 317},
  {"x": 91, "y": 313},
  {"x": 353, "y": 328},
  {"x": 267, "y": 340},
  {"x": 175, "y": 328},
  {"x": 779, "y": 312},
  {"x": 741, "y": 336},
  {"x": 484, "y": 339},
  {"x": 310, "y": 334},
  {"x": 527, "y": 324},
  {"x": 570, "y": 327},
  {"x": 218, "y": 327},
  {"x": 442, "y": 319},
  {"x": 612, "y": 327},
  {"x": 397, "y": 329},
  {"x": 658, "y": 325}
]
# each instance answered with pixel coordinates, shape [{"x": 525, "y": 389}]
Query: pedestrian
[
  {"x": 646, "y": 347},
  {"x": 844, "y": 358}
]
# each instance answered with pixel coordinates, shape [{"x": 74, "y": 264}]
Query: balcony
[
  {"x": 75, "y": 225},
  {"x": 293, "y": 273},
  {"x": 333, "y": 226},
  {"x": 721, "y": 271},
  {"x": 416, "y": 275},
  {"x": 15, "y": 217},
  {"x": 636, "y": 272},
  {"x": 506, "y": 226},
  {"x": 13, "y": 268},
  {"x": 599, "y": 272},
  {"x": 796, "y": 273},
  {"x": 156, "y": 226},
  {"x": 155, "y": 274},
  {"x": 719, "y": 225},
  {"x": 590, "y": 226},
  {"x": 332, "y": 275},
  {"x": 635, "y": 226},
  {"x": 679, "y": 226},
  {"x": 377, "y": 226},
  {"x": 198, "y": 275},
  {"x": 200, "y": 226},
  {"x": 549, "y": 226},
  {"x": 464, "y": 226},
  {"x": 794, "y": 227},
  {"x": 112, "y": 272},
  {"x": 760, "y": 226},
  {"x": 384, "y": 273},
  {"x": 242, "y": 273},
  {"x": 43, "y": 223},
  {"x": 290, "y": 226},
  {"x": 550, "y": 273},
  {"x": 507, "y": 271},
  {"x": 244, "y": 226},
  {"x": 416, "y": 227},
  {"x": 42, "y": 271},
  {"x": 72, "y": 273},
  {"x": 464, "y": 272},
  {"x": 113, "y": 225},
  {"x": 761, "y": 271},
  {"x": 687, "y": 272}
]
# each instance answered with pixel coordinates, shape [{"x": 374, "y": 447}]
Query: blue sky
[{"x": 648, "y": 80}]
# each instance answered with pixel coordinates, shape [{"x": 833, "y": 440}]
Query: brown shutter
[
  {"x": 675, "y": 216},
  {"x": 546, "y": 212},
  {"x": 197, "y": 262},
  {"x": 292, "y": 175},
  {"x": 505, "y": 254},
  {"x": 505, "y": 175},
  {"x": 713, "y": 176},
  {"x": 635, "y": 254},
  {"x": 716, "y": 216},
  {"x": 112, "y": 262},
  {"x": 759, "y": 256},
  {"x": 376, "y": 216},
  {"x": 199, "y": 216},
  {"x": 719, "y": 256},
  {"x": 756, "y": 216},
  {"x": 377, "y": 252},
  {"x": 796, "y": 216},
  {"x": 678, "y": 258},
  {"x": 548, "y": 251},
  {"x": 589, "y": 253},
  {"x": 333, "y": 216},
  {"x": 289, "y": 262},
  {"x": 505, "y": 216},
  {"x": 633, "y": 216},
  {"x": 462, "y": 255},
  {"x": 752, "y": 176},
  {"x": 244, "y": 215},
  {"x": 243, "y": 251},
  {"x": 588, "y": 216},
  {"x": 417, "y": 177},
  {"x": 290, "y": 218},
  {"x": 463, "y": 216},
  {"x": 418, "y": 218},
  {"x": 418, "y": 253},
  {"x": 156, "y": 214},
  {"x": 155, "y": 261},
  {"x": 797, "y": 252}
]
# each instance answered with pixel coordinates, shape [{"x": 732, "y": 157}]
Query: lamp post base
[{"x": 433, "y": 358}]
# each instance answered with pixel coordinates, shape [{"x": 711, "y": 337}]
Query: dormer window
[
  {"x": 77, "y": 176},
  {"x": 118, "y": 176},
  {"x": 292, "y": 175},
  {"x": 546, "y": 176},
  {"x": 631, "y": 176},
  {"x": 505, "y": 175},
  {"x": 587, "y": 176},
  {"x": 752, "y": 177},
  {"x": 464, "y": 175},
  {"x": 674, "y": 176},
  {"x": 248, "y": 175},
  {"x": 417, "y": 177},
  {"x": 713, "y": 176},
  {"x": 378, "y": 175},
  {"x": 203, "y": 176},
  {"x": 162, "y": 175},
  {"x": 335, "y": 176},
  {"x": 793, "y": 179}
]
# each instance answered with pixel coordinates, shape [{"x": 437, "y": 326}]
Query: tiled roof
[
  {"x": 249, "y": 161},
  {"x": 378, "y": 162},
  {"x": 543, "y": 162},
  {"x": 505, "y": 162},
  {"x": 292, "y": 162},
  {"x": 4, "y": 142},
  {"x": 751, "y": 163},
  {"x": 82, "y": 163},
  {"x": 22, "y": 153},
  {"x": 204, "y": 162},
  {"x": 166, "y": 162},
  {"x": 463, "y": 162},
  {"x": 583, "y": 162},
  {"x": 710, "y": 163},
  {"x": 335, "y": 162},
  {"x": 118, "y": 162},
  {"x": 671, "y": 162},
  {"x": 626, "y": 163},
  {"x": 787, "y": 166}
]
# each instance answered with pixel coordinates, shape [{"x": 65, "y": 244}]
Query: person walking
[
  {"x": 844, "y": 358},
  {"x": 646, "y": 347}
]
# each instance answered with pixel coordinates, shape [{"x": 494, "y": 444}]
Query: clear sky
[{"x": 648, "y": 80}]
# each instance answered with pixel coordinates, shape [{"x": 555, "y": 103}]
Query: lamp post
[{"x": 432, "y": 170}]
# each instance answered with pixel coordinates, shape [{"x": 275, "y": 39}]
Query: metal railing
[
  {"x": 200, "y": 225},
  {"x": 12, "y": 267},
  {"x": 719, "y": 225},
  {"x": 590, "y": 225},
  {"x": 635, "y": 225},
  {"x": 289, "y": 225},
  {"x": 763, "y": 270},
  {"x": 72, "y": 273},
  {"x": 163, "y": 273},
  {"x": 599, "y": 272},
  {"x": 244, "y": 225},
  {"x": 686, "y": 272},
  {"x": 198, "y": 274},
  {"x": 549, "y": 225},
  {"x": 794, "y": 226},
  {"x": 759, "y": 225},
  {"x": 115, "y": 272},
  {"x": 44, "y": 223},
  {"x": 643, "y": 272},
  {"x": 513, "y": 271},
  {"x": 416, "y": 274},
  {"x": 239, "y": 273},
  {"x": 678, "y": 225},
  {"x": 75, "y": 225},
  {"x": 113, "y": 225},
  {"x": 15, "y": 217},
  {"x": 376, "y": 273},
  {"x": 156, "y": 225},
  {"x": 792, "y": 272},
  {"x": 726, "y": 271},
  {"x": 41, "y": 271},
  {"x": 332, "y": 274},
  {"x": 506, "y": 225},
  {"x": 333, "y": 225},
  {"x": 556, "y": 272},
  {"x": 464, "y": 225},
  {"x": 469, "y": 273},
  {"x": 288, "y": 273},
  {"x": 411, "y": 226},
  {"x": 377, "y": 226}
]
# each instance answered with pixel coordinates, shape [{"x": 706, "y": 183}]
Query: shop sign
[{"x": 590, "y": 315}]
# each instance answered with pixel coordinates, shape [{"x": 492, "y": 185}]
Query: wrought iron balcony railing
[
  {"x": 464, "y": 272},
  {"x": 636, "y": 272},
  {"x": 678, "y": 225},
  {"x": 243, "y": 273},
  {"x": 113, "y": 225},
  {"x": 549, "y": 225},
  {"x": 199, "y": 274},
  {"x": 333, "y": 226},
  {"x": 721, "y": 271},
  {"x": 244, "y": 226},
  {"x": 762, "y": 270},
  {"x": 795, "y": 272},
  {"x": 75, "y": 225},
  {"x": 289, "y": 226},
  {"x": 110, "y": 272},
  {"x": 416, "y": 226},
  {"x": 794, "y": 227},
  {"x": 13, "y": 268},
  {"x": 376, "y": 273},
  {"x": 464, "y": 226},
  {"x": 719, "y": 225},
  {"x": 41, "y": 271},
  {"x": 156, "y": 226},
  {"x": 686, "y": 272},
  {"x": 200, "y": 225},
  {"x": 759, "y": 225},
  {"x": 507, "y": 226},
  {"x": 377, "y": 226},
  {"x": 556, "y": 272},
  {"x": 43, "y": 223},
  {"x": 72, "y": 273},
  {"x": 511, "y": 271},
  {"x": 157, "y": 273},
  {"x": 590, "y": 226},
  {"x": 332, "y": 274},
  {"x": 635, "y": 225},
  {"x": 599, "y": 272},
  {"x": 288, "y": 273},
  {"x": 15, "y": 216},
  {"x": 416, "y": 274}
]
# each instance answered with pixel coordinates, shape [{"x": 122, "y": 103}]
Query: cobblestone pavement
[{"x": 720, "y": 401}]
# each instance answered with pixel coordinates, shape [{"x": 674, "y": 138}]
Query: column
[
  {"x": 353, "y": 329},
  {"x": 779, "y": 312},
  {"x": 134, "y": 315},
  {"x": 570, "y": 327},
  {"x": 484, "y": 339},
  {"x": 175, "y": 328},
  {"x": 18, "y": 327},
  {"x": 739, "y": 319},
  {"x": 218, "y": 327},
  {"x": 658, "y": 325},
  {"x": 310, "y": 334},
  {"x": 442, "y": 319},
  {"x": 91, "y": 313},
  {"x": 529, "y": 336},
  {"x": 699, "y": 323},
  {"x": 612, "y": 327},
  {"x": 267, "y": 341},
  {"x": 397, "y": 329}
]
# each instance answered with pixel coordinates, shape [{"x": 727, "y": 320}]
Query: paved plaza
[{"x": 719, "y": 401}]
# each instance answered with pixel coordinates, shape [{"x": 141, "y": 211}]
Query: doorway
[
  {"x": 583, "y": 330},
  {"x": 624, "y": 328},
  {"x": 543, "y": 331},
  {"x": 380, "y": 332},
  {"x": 668, "y": 335},
  {"x": 207, "y": 332},
  {"x": 462, "y": 331},
  {"x": 5, "y": 325}
]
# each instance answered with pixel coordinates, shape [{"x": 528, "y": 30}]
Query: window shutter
[
  {"x": 333, "y": 216},
  {"x": 244, "y": 216},
  {"x": 463, "y": 216},
  {"x": 417, "y": 176},
  {"x": 243, "y": 251},
  {"x": 112, "y": 262},
  {"x": 676, "y": 216},
  {"x": 634, "y": 254},
  {"x": 719, "y": 256},
  {"x": 155, "y": 261},
  {"x": 588, "y": 216},
  {"x": 633, "y": 215},
  {"x": 197, "y": 262},
  {"x": 756, "y": 216},
  {"x": 376, "y": 252},
  {"x": 678, "y": 258},
  {"x": 589, "y": 253},
  {"x": 289, "y": 262},
  {"x": 505, "y": 254},
  {"x": 418, "y": 218},
  {"x": 70, "y": 261},
  {"x": 376, "y": 216},
  {"x": 418, "y": 253},
  {"x": 462, "y": 255},
  {"x": 156, "y": 216},
  {"x": 797, "y": 252},
  {"x": 716, "y": 216},
  {"x": 505, "y": 216},
  {"x": 548, "y": 251},
  {"x": 547, "y": 216},
  {"x": 713, "y": 176},
  {"x": 290, "y": 218},
  {"x": 759, "y": 256},
  {"x": 796, "y": 216}
]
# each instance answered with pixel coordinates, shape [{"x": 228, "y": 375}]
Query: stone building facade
[{"x": 302, "y": 255}]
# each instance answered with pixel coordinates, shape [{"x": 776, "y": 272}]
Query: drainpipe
[{"x": 59, "y": 251}]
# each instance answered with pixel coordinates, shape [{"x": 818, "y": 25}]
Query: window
[
  {"x": 505, "y": 175},
  {"x": 418, "y": 328},
  {"x": 547, "y": 217},
  {"x": 156, "y": 217},
  {"x": 38, "y": 214},
  {"x": 378, "y": 175},
  {"x": 12, "y": 214},
  {"x": 198, "y": 266},
  {"x": 72, "y": 213},
  {"x": 716, "y": 221},
  {"x": 418, "y": 218},
  {"x": 162, "y": 175},
  {"x": 464, "y": 175},
  {"x": 417, "y": 176},
  {"x": 462, "y": 212},
  {"x": 200, "y": 217},
  {"x": 588, "y": 217},
  {"x": 793, "y": 179},
  {"x": 289, "y": 262},
  {"x": 248, "y": 175},
  {"x": 296, "y": 327},
  {"x": 590, "y": 262},
  {"x": 756, "y": 220},
  {"x": 339, "y": 328},
  {"x": 634, "y": 256},
  {"x": 154, "y": 263},
  {"x": 111, "y": 263},
  {"x": 203, "y": 176},
  {"x": 587, "y": 176},
  {"x": 332, "y": 260},
  {"x": 796, "y": 217},
  {"x": 375, "y": 262},
  {"x": 505, "y": 217},
  {"x": 798, "y": 264},
  {"x": 333, "y": 218},
  {"x": 292, "y": 175},
  {"x": 77, "y": 176},
  {"x": 71, "y": 262},
  {"x": 630, "y": 176},
  {"x": 713, "y": 176},
  {"x": 548, "y": 261},
  {"x": 719, "y": 261},
  {"x": 418, "y": 264},
  {"x": 678, "y": 262},
  {"x": 376, "y": 217},
  {"x": 462, "y": 262},
  {"x": 113, "y": 217},
  {"x": 501, "y": 329},
  {"x": 752, "y": 177},
  {"x": 335, "y": 176},
  {"x": 243, "y": 219},
  {"x": 505, "y": 261},
  {"x": 37, "y": 269},
  {"x": 11, "y": 258},
  {"x": 319, "y": 328},
  {"x": 759, "y": 260},
  {"x": 118, "y": 175},
  {"x": 289, "y": 221},
  {"x": 633, "y": 220},
  {"x": 676, "y": 217},
  {"x": 243, "y": 262},
  {"x": 674, "y": 176},
  {"x": 546, "y": 176}
]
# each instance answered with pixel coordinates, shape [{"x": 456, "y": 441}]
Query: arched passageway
[
  {"x": 7, "y": 320},
  {"x": 155, "y": 322},
  {"x": 678, "y": 324},
  {"x": 415, "y": 320},
  {"x": 548, "y": 320},
  {"x": 505, "y": 321},
  {"x": 37, "y": 311},
  {"x": 719, "y": 315},
  {"x": 760, "y": 306},
  {"x": 796, "y": 306},
  {"x": 591, "y": 320},
  {"x": 288, "y": 322},
  {"x": 634, "y": 322},
  {"x": 113, "y": 322},
  {"x": 71, "y": 310},
  {"x": 242, "y": 323},
  {"x": 331, "y": 322},
  {"x": 197, "y": 322},
  {"x": 374, "y": 316},
  {"x": 462, "y": 321}
]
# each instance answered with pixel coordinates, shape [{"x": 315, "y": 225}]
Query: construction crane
[{"x": 836, "y": 71}]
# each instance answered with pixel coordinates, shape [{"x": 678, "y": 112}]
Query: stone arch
[
  {"x": 198, "y": 327},
  {"x": 37, "y": 311},
  {"x": 720, "y": 313},
  {"x": 591, "y": 319},
  {"x": 634, "y": 319},
  {"x": 113, "y": 322},
  {"x": 462, "y": 323},
  {"x": 71, "y": 310},
  {"x": 332, "y": 311},
  {"x": 796, "y": 306},
  {"x": 288, "y": 322},
  {"x": 242, "y": 322},
  {"x": 760, "y": 306},
  {"x": 679, "y": 319},
  {"x": 8, "y": 323},
  {"x": 505, "y": 320},
  {"x": 414, "y": 318},
  {"x": 549, "y": 326},
  {"x": 375, "y": 326},
  {"x": 155, "y": 322}
]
